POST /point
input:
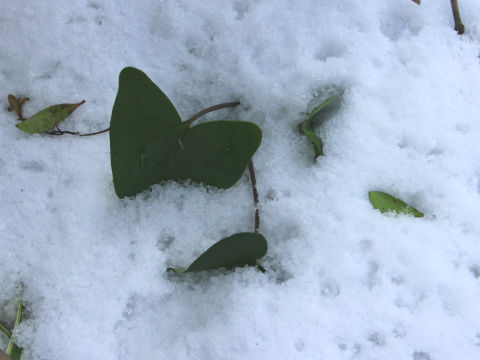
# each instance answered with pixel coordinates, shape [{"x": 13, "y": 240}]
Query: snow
[{"x": 343, "y": 281}]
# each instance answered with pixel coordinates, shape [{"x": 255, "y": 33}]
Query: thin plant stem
[
  {"x": 65, "y": 132},
  {"x": 4, "y": 329},
  {"x": 190, "y": 121},
  {"x": 96, "y": 133},
  {"x": 58, "y": 132},
  {"x": 459, "y": 27},
  {"x": 210, "y": 109},
  {"x": 253, "y": 181}
]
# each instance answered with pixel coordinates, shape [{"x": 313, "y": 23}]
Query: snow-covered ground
[{"x": 343, "y": 281}]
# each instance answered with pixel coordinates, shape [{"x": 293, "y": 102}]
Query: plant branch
[
  {"x": 4, "y": 329},
  {"x": 210, "y": 109},
  {"x": 459, "y": 27},
  {"x": 96, "y": 133},
  {"x": 253, "y": 180},
  {"x": 57, "y": 131}
]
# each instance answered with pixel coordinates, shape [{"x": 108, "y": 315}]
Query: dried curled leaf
[
  {"x": 48, "y": 118},
  {"x": 387, "y": 203},
  {"x": 17, "y": 105}
]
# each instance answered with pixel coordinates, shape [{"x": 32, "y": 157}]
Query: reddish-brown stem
[
  {"x": 253, "y": 180},
  {"x": 59, "y": 132},
  {"x": 459, "y": 27},
  {"x": 210, "y": 109},
  {"x": 96, "y": 133},
  {"x": 190, "y": 121},
  {"x": 80, "y": 103},
  {"x": 65, "y": 132}
]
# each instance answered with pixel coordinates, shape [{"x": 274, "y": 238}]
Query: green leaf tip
[
  {"x": 48, "y": 118},
  {"x": 387, "y": 203},
  {"x": 237, "y": 250},
  {"x": 13, "y": 350},
  {"x": 150, "y": 144},
  {"x": 307, "y": 127}
]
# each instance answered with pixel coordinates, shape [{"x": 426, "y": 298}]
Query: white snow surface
[{"x": 343, "y": 281}]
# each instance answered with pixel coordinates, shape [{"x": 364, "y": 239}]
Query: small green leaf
[
  {"x": 321, "y": 106},
  {"x": 13, "y": 350},
  {"x": 234, "y": 251},
  {"x": 387, "y": 203},
  {"x": 149, "y": 143},
  {"x": 48, "y": 118},
  {"x": 307, "y": 127}
]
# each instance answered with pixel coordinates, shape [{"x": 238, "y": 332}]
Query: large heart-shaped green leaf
[
  {"x": 234, "y": 251},
  {"x": 149, "y": 143},
  {"x": 387, "y": 203}
]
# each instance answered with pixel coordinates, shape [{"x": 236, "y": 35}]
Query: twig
[
  {"x": 57, "y": 131},
  {"x": 459, "y": 27},
  {"x": 190, "y": 121},
  {"x": 210, "y": 109},
  {"x": 253, "y": 180},
  {"x": 96, "y": 133}
]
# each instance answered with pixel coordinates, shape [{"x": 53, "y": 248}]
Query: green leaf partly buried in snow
[
  {"x": 307, "y": 127},
  {"x": 234, "y": 251},
  {"x": 13, "y": 350},
  {"x": 48, "y": 118},
  {"x": 387, "y": 203},
  {"x": 149, "y": 143}
]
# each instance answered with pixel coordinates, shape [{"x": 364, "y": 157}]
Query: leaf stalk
[
  {"x": 459, "y": 27},
  {"x": 210, "y": 109},
  {"x": 253, "y": 181}
]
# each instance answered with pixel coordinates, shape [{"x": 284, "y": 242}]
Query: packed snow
[{"x": 343, "y": 281}]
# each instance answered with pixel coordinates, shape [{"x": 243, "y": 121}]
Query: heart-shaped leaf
[
  {"x": 387, "y": 203},
  {"x": 47, "y": 118},
  {"x": 307, "y": 127},
  {"x": 149, "y": 143},
  {"x": 234, "y": 251}
]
